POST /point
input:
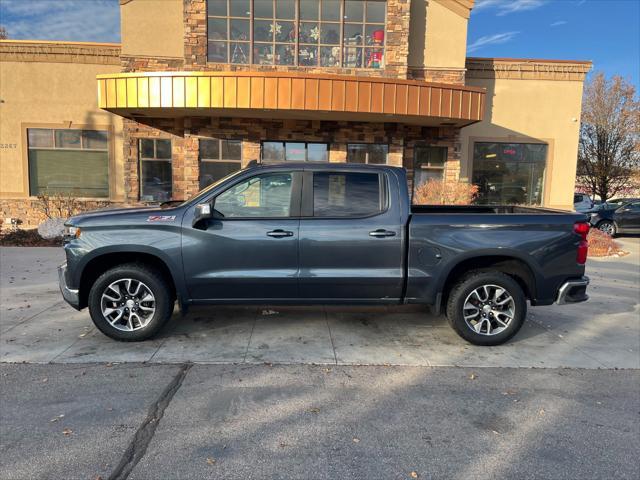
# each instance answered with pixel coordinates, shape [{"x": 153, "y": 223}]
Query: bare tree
[
  {"x": 609, "y": 150},
  {"x": 3, "y": 33}
]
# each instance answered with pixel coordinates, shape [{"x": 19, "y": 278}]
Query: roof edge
[
  {"x": 528, "y": 60},
  {"x": 59, "y": 42}
]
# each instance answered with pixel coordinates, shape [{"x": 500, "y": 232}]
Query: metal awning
[{"x": 289, "y": 95}]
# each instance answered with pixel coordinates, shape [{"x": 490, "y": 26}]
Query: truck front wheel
[
  {"x": 130, "y": 302},
  {"x": 486, "y": 307}
]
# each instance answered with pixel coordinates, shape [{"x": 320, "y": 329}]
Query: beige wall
[
  {"x": 540, "y": 110},
  {"x": 441, "y": 40},
  {"x": 152, "y": 28},
  {"x": 59, "y": 94}
]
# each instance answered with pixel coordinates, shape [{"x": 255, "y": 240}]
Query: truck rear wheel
[
  {"x": 130, "y": 302},
  {"x": 486, "y": 307}
]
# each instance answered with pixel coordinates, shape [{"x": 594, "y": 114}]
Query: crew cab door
[
  {"x": 628, "y": 217},
  {"x": 351, "y": 237},
  {"x": 249, "y": 249}
]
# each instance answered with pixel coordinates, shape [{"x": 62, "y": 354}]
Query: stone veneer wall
[
  {"x": 456, "y": 76},
  {"x": 396, "y": 48},
  {"x": 185, "y": 133}
]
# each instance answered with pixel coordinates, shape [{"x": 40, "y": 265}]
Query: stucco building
[{"x": 198, "y": 88}]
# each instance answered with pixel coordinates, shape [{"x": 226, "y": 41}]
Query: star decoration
[
  {"x": 315, "y": 33},
  {"x": 275, "y": 28}
]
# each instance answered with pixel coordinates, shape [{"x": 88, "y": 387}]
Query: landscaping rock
[{"x": 51, "y": 228}]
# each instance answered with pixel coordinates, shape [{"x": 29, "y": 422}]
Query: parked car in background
[
  {"x": 582, "y": 202},
  {"x": 618, "y": 202},
  {"x": 618, "y": 216},
  {"x": 316, "y": 234}
]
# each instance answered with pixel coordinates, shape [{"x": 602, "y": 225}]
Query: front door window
[
  {"x": 262, "y": 196},
  {"x": 509, "y": 173}
]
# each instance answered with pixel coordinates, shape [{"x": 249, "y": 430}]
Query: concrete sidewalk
[
  {"x": 152, "y": 421},
  {"x": 37, "y": 326}
]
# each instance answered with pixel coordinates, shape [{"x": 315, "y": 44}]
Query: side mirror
[{"x": 203, "y": 212}]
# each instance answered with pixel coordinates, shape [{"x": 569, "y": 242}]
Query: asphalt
[
  {"x": 303, "y": 421},
  {"x": 36, "y": 326}
]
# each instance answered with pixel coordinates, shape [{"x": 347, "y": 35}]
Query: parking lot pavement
[
  {"x": 323, "y": 422},
  {"x": 37, "y": 326}
]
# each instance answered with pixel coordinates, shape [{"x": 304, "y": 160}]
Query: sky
[{"x": 607, "y": 32}]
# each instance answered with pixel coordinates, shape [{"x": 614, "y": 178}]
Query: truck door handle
[
  {"x": 279, "y": 233},
  {"x": 382, "y": 233}
]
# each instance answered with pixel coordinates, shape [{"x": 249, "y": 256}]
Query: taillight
[{"x": 582, "y": 229}]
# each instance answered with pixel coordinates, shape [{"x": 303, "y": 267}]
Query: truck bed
[{"x": 440, "y": 236}]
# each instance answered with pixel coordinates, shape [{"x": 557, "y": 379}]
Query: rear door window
[{"x": 347, "y": 194}]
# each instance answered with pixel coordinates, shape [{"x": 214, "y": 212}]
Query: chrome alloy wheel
[
  {"x": 128, "y": 304},
  {"x": 607, "y": 227},
  {"x": 488, "y": 310}
]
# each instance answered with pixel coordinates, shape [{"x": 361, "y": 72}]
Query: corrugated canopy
[{"x": 289, "y": 95}]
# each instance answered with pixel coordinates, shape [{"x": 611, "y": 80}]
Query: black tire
[
  {"x": 608, "y": 227},
  {"x": 163, "y": 295},
  {"x": 464, "y": 288}
]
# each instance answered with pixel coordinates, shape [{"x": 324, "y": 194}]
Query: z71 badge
[{"x": 161, "y": 218}]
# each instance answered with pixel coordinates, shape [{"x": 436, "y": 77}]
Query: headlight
[{"x": 71, "y": 232}]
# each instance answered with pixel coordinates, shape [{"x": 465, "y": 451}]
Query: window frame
[
  {"x": 440, "y": 169},
  {"x": 154, "y": 159},
  {"x": 295, "y": 201},
  {"x": 363, "y": 48},
  {"x": 53, "y": 127},
  {"x": 306, "y": 152},
  {"x": 548, "y": 159},
  {"x": 219, "y": 159},
  {"x": 386, "y": 158},
  {"x": 307, "y": 205}
]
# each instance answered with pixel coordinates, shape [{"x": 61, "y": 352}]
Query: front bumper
[
  {"x": 71, "y": 296},
  {"x": 573, "y": 291}
]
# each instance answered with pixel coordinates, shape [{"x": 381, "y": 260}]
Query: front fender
[{"x": 171, "y": 257}]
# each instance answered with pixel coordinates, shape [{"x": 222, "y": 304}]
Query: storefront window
[
  {"x": 294, "y": 152},
  {"x": 218, "y": 158},
  {"x": 375, "y": 153},
  {"x": 68, "y": 161},
  {"x": 428, "y": 164},
  {"x": 324, "y": 33},
  {"x": 155, "y": 170},
  {"x": 509, "y": 173}
]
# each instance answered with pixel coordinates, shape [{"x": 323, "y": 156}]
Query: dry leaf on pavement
[
  {"x": 67, "y": 431},
  {"x": 414, "y": 474},
  {"x": 211, "y": 461}
]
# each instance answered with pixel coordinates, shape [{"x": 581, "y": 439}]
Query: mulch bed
[
  {"x": 27, "y": 238},
  {"x": 602, "y": 245}
]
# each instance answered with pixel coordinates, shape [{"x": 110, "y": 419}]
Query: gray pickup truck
[{"x": 322, "y": 234}]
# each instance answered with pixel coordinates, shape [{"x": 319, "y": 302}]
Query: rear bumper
[
  {"x": 573, "y": 291},
  {"x": 70, "y": 295}
]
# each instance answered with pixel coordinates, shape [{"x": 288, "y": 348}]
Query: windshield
[{"x": 206, "y": 189}]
